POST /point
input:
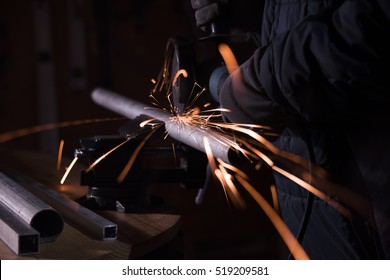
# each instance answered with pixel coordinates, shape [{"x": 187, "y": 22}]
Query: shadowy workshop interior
[{"x": 53, "y": 54}]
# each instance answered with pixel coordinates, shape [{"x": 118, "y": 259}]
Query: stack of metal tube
[
  {"x": 31, "y": 213},
  {"x": 25, "y": 220}
]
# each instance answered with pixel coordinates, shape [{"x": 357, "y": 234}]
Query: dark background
[{"x": 121, "y": 45}]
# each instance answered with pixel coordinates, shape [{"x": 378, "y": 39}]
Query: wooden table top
[{"x": 138, "y": 233}]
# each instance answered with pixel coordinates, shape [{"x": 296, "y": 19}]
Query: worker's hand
[
  {"x": 206, "y": 11},
  {"x": 246, "y": 99}
]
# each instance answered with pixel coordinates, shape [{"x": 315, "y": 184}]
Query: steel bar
[
  {"x": 77, "y": 215},
  {"x": 19, "y": 236},
  {"x": 31, "y": 209},
  {"x": 191, "y": 135}
]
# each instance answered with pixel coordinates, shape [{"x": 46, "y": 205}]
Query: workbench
[{"x": 139, "y": 234}]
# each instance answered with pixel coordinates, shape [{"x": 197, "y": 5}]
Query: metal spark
[
  {"x": 59, "y": 156},
  {"x": 275, "y": 200},
  {"x": 343, "y": 210},
  {"x": 234, "y": 195},
  {"x": 224, "y": 178},
  {"x": 68, "y": 170},
  {"x": 229, "y": 58},
  {"x": 11, "y": 135},
  {"x": 193, "y": 99},
  {"x": 106, "y": 154},
  {"x": 182, "y": 72},
  {"x": 134, "y": 155}
]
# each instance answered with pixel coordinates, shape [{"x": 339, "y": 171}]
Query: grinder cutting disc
[{"x": 180, "y": 55}]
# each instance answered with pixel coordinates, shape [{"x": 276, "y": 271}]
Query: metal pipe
[
  {"x": 191, "y": 135},
  {"x": 31, "y": 209},
  {"x": 19, "y": 236},
  {"x": 73, "y": 212},
  {"x": 126, "y": 107}
]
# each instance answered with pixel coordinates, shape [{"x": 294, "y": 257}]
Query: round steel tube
[
  {"x": 83, "y": 217},
  {"x": 31, "y": 209},
  {"x": 192, "y": 135}
]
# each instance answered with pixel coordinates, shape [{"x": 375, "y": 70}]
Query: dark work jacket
[{"x": 321, "y": 79}]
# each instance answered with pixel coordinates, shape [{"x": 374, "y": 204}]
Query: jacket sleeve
[{"x": 329, "y": 67}]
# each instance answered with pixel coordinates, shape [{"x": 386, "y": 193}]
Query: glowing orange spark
[
  {"x": 231, "y": 188},
  {"x": 254, "y": 135},
  {"x": 150, "y": 122},
  {"x": 106, "y": 154},
  {"x": 274, "y": 196},
  {"x": 213, "y": 166},
  {"x": 233, "y": 168},
  {"x": 209, "y": 154},
  {"x": 134, "y": 155},
  {"x": 59, "y": 156},
  {"x": 174, "y": 152},
  {"x": 182, "y": 72},
  {"x": 228, "y": 57},
  {"x": 195, "y": 111},
  {"x": 195, "y": 98},
  {"x": 8, "y": 136},
  {"x": 218, "y": 174},
  {"x": 344, "y": 211},
  {"x": 260, "y": 154},
  {"x": 68, "y": 170}
]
